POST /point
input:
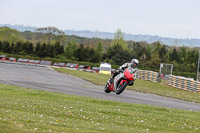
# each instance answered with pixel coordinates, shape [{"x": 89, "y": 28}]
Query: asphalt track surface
[{"x": 44, "y": 78}]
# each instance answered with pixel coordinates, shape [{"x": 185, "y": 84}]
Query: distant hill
[{"x": 107, "y": 35}]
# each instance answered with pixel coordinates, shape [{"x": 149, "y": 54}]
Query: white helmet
[{"x": 134, "y": 63}]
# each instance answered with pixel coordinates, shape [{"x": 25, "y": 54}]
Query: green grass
[
  {"x": 28, "y": 110},
  {"x": 140, "y": 85}
]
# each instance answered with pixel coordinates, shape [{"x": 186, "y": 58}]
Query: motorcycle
[{"x": 120, "y": 81}]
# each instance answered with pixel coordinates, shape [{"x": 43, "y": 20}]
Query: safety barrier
[
  {"x": 20, "y": 63},
  {"x": 148, "y": 75},
  {"x": 184, "y": 83}
]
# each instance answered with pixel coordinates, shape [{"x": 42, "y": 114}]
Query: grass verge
[
  {"x": 28, "y": 110},
  {"x": 140, "y": 85}
]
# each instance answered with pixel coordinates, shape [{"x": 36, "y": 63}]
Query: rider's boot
[
  {"x": 112, "y": 77},
  {"x": 110, "y": 80}
]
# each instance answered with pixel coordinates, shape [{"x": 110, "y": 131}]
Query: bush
[{"x": 186, "y": 74}]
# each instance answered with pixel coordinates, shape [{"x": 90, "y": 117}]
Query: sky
[{"x": 165, "y": 18}]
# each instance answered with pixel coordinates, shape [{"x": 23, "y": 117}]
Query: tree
[
  {"x": 29, "y": 48},
  {"x": 43, "y": 50},
  {"x": 50, "y": 30},
  {"x": 70, "y": 49},
  {"x": 92, "y": 56},
  {"x": 98, "y": 52},
  {"x": 162, "y": 53},
  {"x": 136, "y": 50},
  {"x": 155, "y": 60},
  {"x": 12, "y": 46},
  {"x": 192, "y": 56},
  {"x": 38, "y": 49},
  {"x": 52, "y": 33},
  {"x": 10, "y": 35},
  {"x": 85, "y": 54},
  {"x": 143, "y": 57},
  {"x": 119, "y": 39},
  {"x": 0, "y": 45},
  {"x": 50, "y": 51},
  {"x": 18, "y": 47},
  {"x": 6, "y": 47},
  {"x": 61, "y": 38},
  {"x": 182, "y": 54},
  {"x": 157, "y": 46},
  {"x": 174, "y": 56},
  {"x": 118, "y": 55},
  {"x": 79, "y": 53},
  {"x": 148, "y": 52},
  {"x": 59, "y": 49}
]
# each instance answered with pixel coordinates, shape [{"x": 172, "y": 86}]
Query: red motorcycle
[{"x": 120, "y": 81}]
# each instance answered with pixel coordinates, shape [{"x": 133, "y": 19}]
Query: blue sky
[{"x": 169, "y": 18}]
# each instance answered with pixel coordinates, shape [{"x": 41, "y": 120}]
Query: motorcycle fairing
[
  {"x": 128, "y": 75},
  {"x": 117, "y": 78}
]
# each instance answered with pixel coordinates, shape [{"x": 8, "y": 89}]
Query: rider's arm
[
  {"x": 135, "y": 74},
  {"x": 125, "y": 65}
]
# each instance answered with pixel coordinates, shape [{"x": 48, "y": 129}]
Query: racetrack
[{"x": 44, "y": 78}]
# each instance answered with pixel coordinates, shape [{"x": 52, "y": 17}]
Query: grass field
[
  {"x": 28, "y": 110},
  {"x": 140, "y": 85}
]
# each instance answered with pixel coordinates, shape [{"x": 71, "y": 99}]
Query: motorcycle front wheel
[{"x": 121, "y": 88}]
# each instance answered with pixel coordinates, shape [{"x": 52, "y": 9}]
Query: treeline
[
  {"x": 183, "y": 58},
  {"x": 50, "y": 42},
  {"x": 28, "y": 48},
  {"x": 150, "y": 55}
]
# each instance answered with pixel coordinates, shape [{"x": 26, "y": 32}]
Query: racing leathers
[{"x": 121, "y": 69}]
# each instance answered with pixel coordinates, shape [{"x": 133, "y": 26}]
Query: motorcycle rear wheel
[{"x": 121, "y": 88}]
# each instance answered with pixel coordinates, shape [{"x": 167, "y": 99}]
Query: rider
[{"x": 134, "y": 63}]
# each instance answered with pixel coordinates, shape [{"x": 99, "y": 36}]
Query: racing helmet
[{"x": 134, "y": 63}]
